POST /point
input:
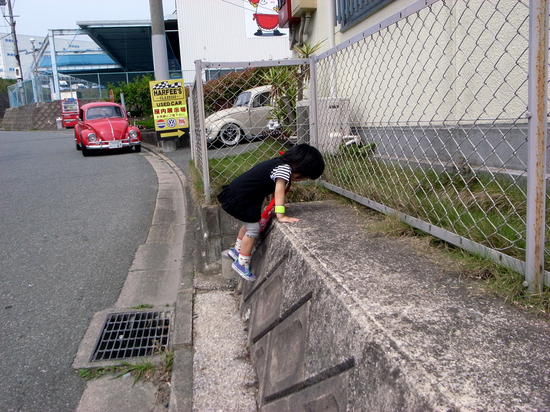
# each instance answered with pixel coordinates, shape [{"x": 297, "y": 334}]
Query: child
[{"x": 244, "y": 196}]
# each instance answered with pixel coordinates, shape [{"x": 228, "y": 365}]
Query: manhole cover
[{"x": 126, "y": 335}]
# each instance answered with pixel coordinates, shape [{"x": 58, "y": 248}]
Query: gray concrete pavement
[
  {"x": 69, "y": 229},
  {"x": 211, "y": 366}
]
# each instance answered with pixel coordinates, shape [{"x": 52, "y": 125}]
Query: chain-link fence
[
  {"x": 88, "y": 86},
  {"x": 247, "y": 116},
  {"x": 41, "y": 89},
  {"x": 423, "y": 115},
  {"x": 433, "y": 124}
]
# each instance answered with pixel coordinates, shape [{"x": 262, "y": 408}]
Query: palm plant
[
  {"x": 304, "y": 52},
  {"x": 287, "y": 87}
]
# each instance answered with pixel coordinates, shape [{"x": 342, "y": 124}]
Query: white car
[{"x": 248, "y": 118}]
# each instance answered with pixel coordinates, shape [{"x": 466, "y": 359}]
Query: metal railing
[
  {"x": 436, "y": 115},
  {"x": 90, "y": 86}
]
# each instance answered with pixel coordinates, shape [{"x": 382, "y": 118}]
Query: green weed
[{"x": 143, "y": 306}]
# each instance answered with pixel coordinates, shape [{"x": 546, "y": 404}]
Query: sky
[{"x": 35, "y": 17}]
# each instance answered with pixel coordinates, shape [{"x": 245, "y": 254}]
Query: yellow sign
[
  {"x": 169, "y": 106},
  {"x": 177, "y": 133}
]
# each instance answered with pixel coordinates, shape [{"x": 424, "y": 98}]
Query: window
[
  {"x": 351, "y": 12},
  {"x": 243, "y": 99},
  {"x": 261, "y": 100},
  {"x": 212, "y": 74}
]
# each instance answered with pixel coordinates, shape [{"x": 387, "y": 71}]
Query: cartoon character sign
[{"x": 266, "y": 15}]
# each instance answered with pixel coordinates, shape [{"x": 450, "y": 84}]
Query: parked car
[
  {"x": 105, "y": 126},
  {"x": 248, "y": 118}
]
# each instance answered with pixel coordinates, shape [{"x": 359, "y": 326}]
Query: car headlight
[
  {"x": 132, "y": 134},
  {"x": 92, "y": 137}
]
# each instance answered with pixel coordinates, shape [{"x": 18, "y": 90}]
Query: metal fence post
[
  {"x": 313, "y": 103},
  {"x": 536, "y": 166},
  {"x": 201, "y": 131},
  {"x": 191, "y": 117}
]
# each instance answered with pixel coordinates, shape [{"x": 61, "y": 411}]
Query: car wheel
[
  {"x": 230, "y": 134},
  {"x": 85, "y": 151},
  {"x": 76, "y": 142},
  {"x": 137, "y": 148}
]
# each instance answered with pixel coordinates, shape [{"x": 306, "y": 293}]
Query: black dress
[{"x": 244, "y": 196}]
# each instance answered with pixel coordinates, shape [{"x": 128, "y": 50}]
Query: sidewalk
[
  {"x": 211, "y": 365},
  {"x": 223, "y": 376}
]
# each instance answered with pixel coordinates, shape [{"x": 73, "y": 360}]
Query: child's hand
[{"x": 287, "y": 219}]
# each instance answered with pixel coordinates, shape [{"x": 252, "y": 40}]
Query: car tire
[
  {"x": 85, "y": 151},
  {"x": 230, "y": 134},
  {"x": 137, "y": 148},
  {"x": 78, "y": 146}
]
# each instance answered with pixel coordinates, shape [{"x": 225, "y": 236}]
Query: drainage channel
[{"x": 133, "y": 334}]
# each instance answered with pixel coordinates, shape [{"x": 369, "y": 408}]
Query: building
[
  {"x": 229, "y": 31},
  {"x": 29, "y": 50}
]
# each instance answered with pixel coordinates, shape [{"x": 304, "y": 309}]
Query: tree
[
  {"x": 137, "y": 95},
  {"x": 4, "y": 83}
]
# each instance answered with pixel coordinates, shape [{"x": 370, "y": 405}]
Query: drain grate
[{"x": 127, "y": 335}]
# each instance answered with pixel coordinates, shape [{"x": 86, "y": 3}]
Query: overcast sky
[{"x": 35, "y": 17}]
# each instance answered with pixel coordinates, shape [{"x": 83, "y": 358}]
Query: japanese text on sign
[{"x": 169, "y": 105}]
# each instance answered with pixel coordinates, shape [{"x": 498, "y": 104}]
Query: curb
[{"x": 181, "y": 394}]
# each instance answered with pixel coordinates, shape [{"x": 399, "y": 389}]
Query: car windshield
[
  {"x": 243, "y": 99},
  {"x": 104, "y": 111}
]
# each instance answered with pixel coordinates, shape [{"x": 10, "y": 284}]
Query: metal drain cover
[{"x": 126, "y": 335}]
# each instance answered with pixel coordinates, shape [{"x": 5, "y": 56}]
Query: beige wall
[{"x": 468, "y": 62}]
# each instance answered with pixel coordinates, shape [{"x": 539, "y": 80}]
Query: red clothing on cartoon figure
[{"x": 267, "y": 21}]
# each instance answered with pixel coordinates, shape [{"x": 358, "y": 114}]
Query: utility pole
[
  {"x": 15, "y": 46},
  {"x": 34, "y": 58},
  {"x": 158, "y": 41}
]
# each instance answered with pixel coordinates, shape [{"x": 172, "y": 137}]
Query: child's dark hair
[{"x": 305, "y": 160}]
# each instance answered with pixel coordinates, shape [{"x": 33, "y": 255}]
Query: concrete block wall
[
  {"x": 340, "y": 319},
  {"x": 218, "y": 232},
  {"x": 35, "y": 116}
]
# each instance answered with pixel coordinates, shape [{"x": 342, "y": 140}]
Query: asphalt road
[{"x": 69, "y": 229}]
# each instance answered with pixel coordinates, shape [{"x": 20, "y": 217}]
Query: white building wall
[{"x": 214, "y": 30}]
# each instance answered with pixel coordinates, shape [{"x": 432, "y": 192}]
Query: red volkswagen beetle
[{"x": 104, "y": 126}]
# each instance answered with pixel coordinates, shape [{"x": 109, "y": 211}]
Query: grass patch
[
  {"x": 143, "y": 306},
  {"x": 503, "y": 282},
  {"x": 142, "y": 370},
  {"x": 159, "y": 374},
  {"x": 224, "y": 170},
  {"x": 488, "y": 209}
]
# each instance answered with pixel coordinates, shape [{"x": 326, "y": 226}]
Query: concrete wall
[
  {"x": 218, "y": 232},
  {"x": 498, "y": 146},
  {"x": 343, "y": 319},
  {"x": 35, "y": 116}
]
